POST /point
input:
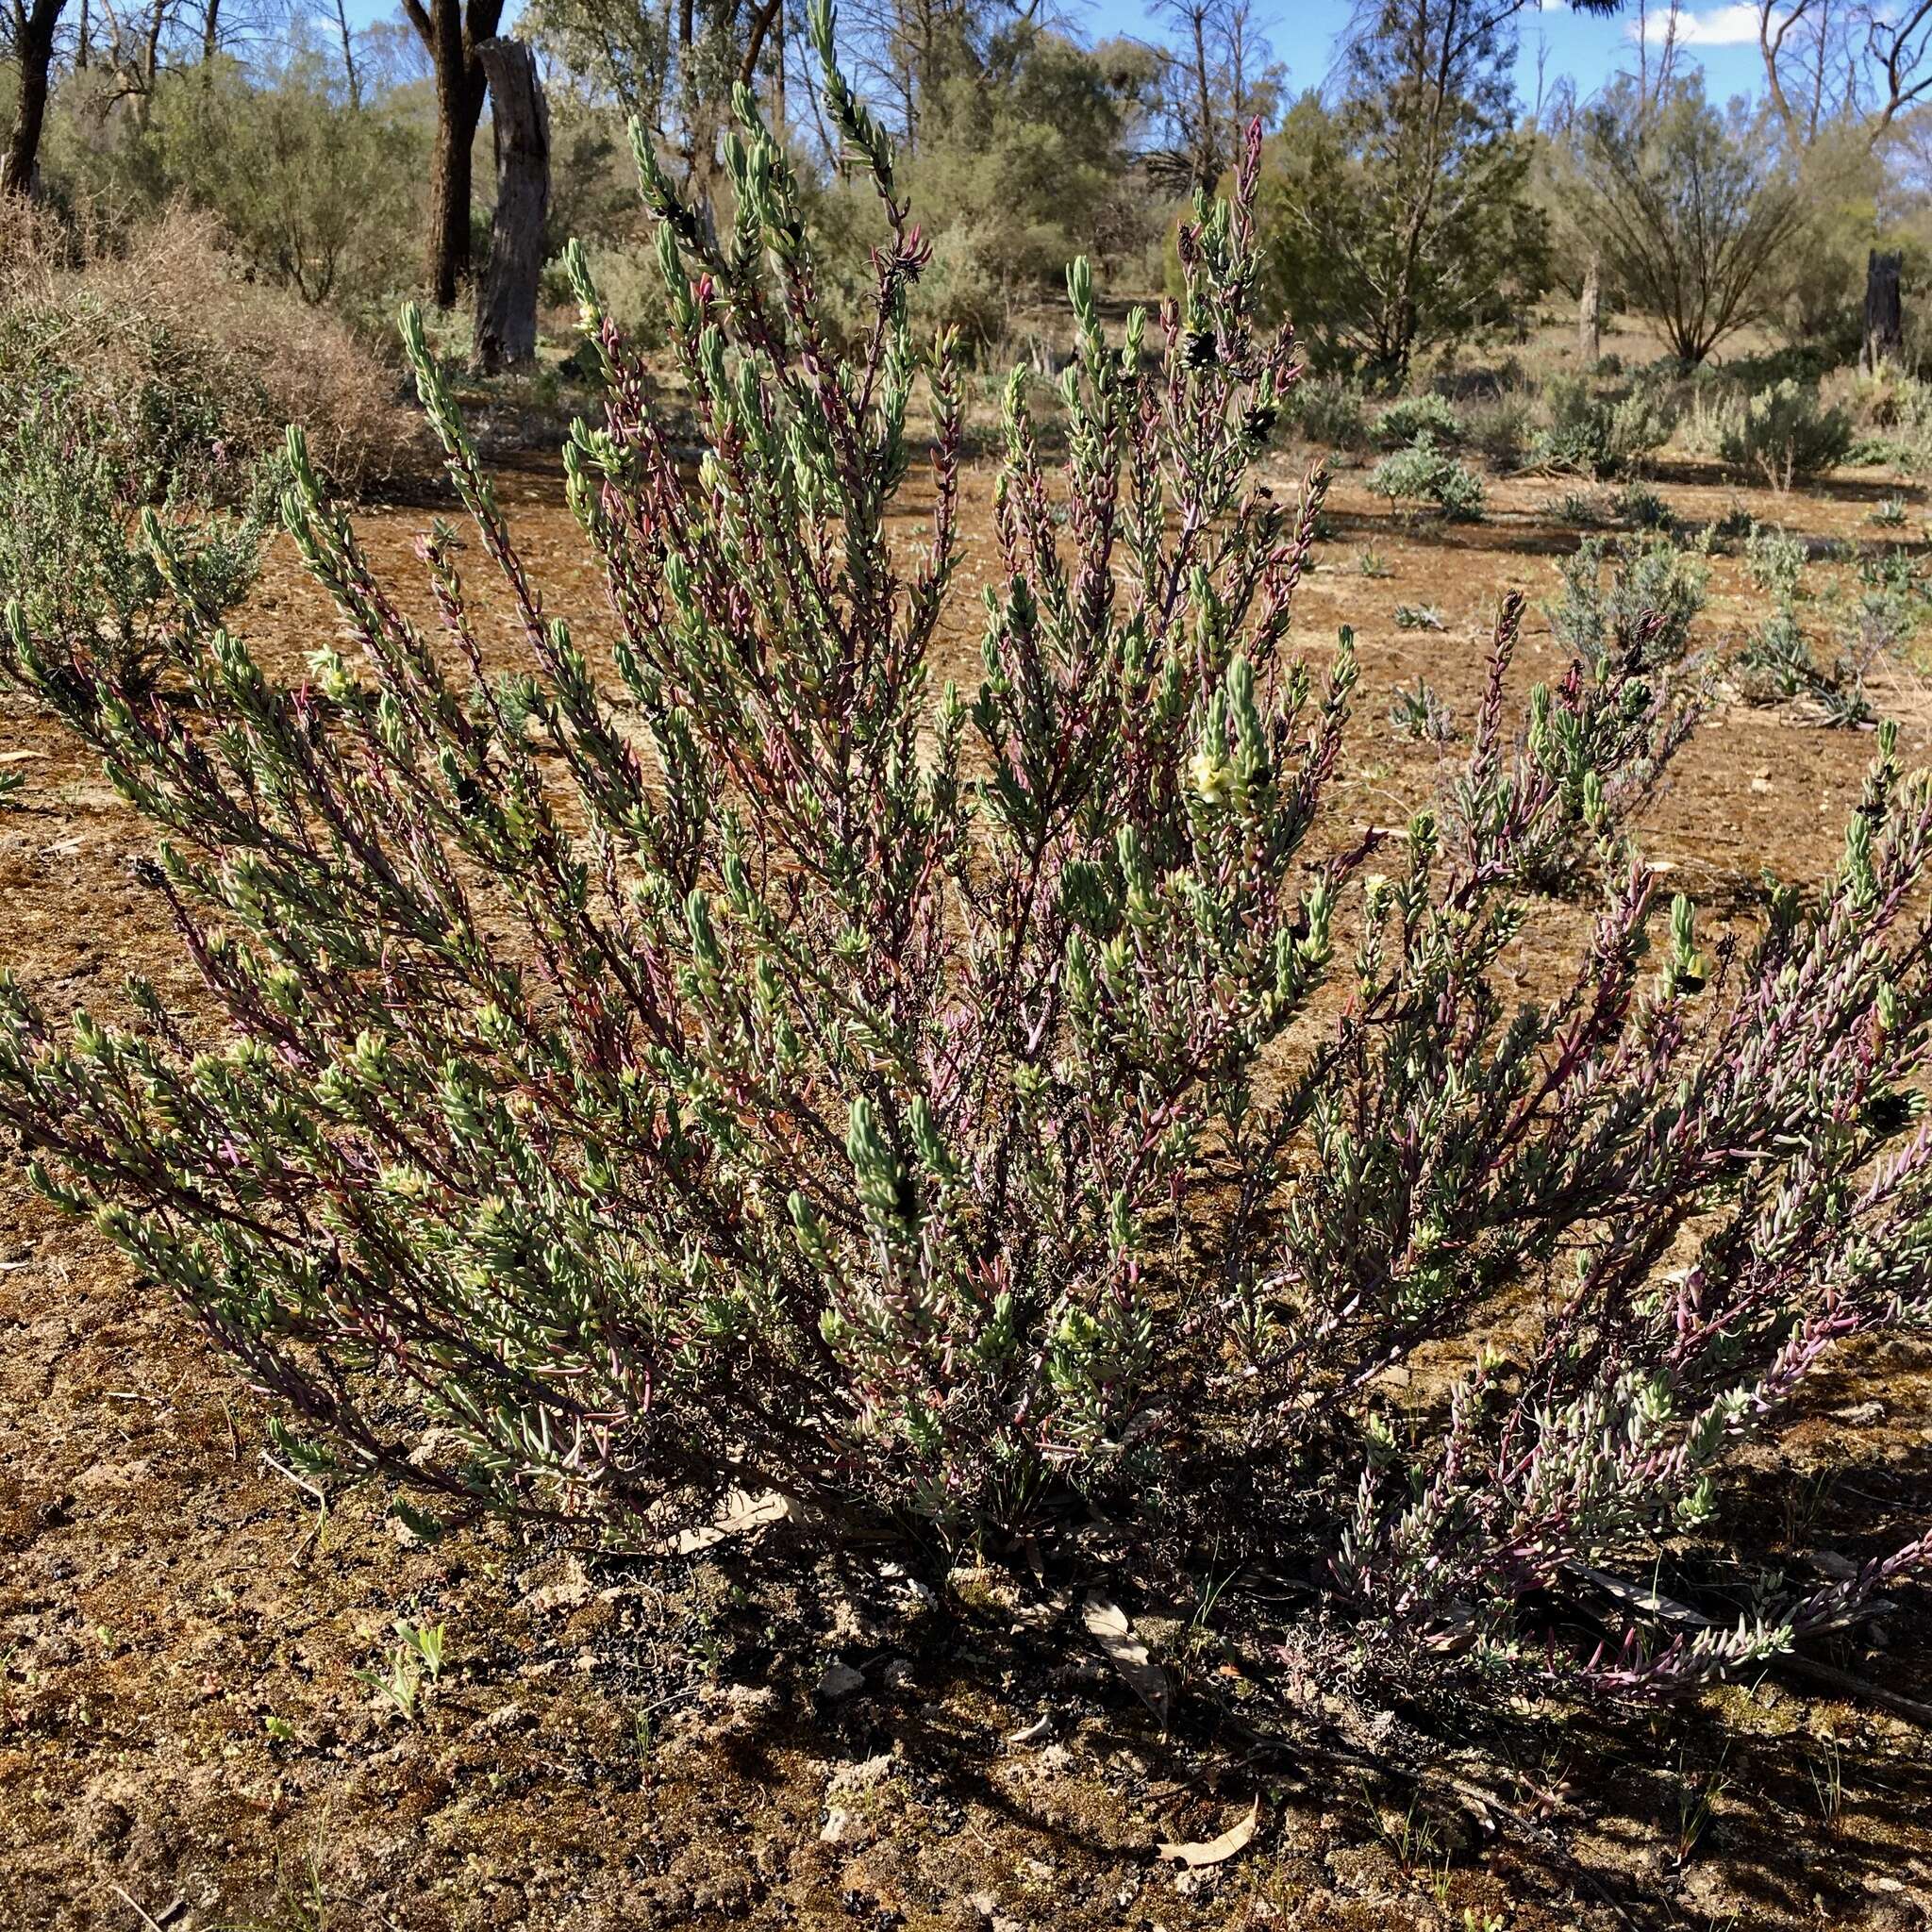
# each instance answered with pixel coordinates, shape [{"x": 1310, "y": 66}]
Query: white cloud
[{"x": 1735, "y": 25}]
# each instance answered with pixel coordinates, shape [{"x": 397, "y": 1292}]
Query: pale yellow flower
[{"x": 1211, "y": 774}]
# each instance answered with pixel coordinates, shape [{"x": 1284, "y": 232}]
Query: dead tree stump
[
  {"x": 1589, "y": 309},
  {"x": 1885, "y": 323}
]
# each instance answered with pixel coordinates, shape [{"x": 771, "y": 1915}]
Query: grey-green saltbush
[
  {"x": 1427, "y": 415},
  {"x": 1600, "y": 436},
  {"x": 1633, "y": 601},
  {"x": 1422, "y": 474},
  {"x": 1785, "y": 433}
]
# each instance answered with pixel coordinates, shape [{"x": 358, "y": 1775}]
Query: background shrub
[
  {"x": 960, "y": 290},
  {"x": 1424, "y": 474},
  {"x": 85, "y": 579},
  {"x": 1330, "y": 412},
  {"x": 1775, "y": 561},
  {"x": 186, "y": 375},
  {"x": 1785, "y": 432},
  {"x": 1640, "y": 614},
  {"x": 630, "y": 285},
  {"x": 1501, "y": 425},
  {"x": 1600, "y": 436},
  {"x": 1428, "y": 414}
]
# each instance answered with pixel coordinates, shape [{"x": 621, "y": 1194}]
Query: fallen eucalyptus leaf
[
  {"x": 1108, "y": 1624},
  {"x": 743, "y": 1512},
  {"x": 1215, "y": 1850}
]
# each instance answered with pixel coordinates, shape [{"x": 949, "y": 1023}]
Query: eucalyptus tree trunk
[
  {"x": 1588, "y": 316},
  {"x": 33, "y": 38},
  {"x": 451, "y": 31},
  {"x": 460, "y": 90}
]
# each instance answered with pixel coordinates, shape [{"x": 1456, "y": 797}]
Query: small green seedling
[{"x": 425, "y": 1640}]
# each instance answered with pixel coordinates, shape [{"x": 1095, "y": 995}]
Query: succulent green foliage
[
  {"x": 959, "y": 1105},
  {"x": 103, "y": 590}
]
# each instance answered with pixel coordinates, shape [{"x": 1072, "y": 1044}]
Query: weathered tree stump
[
  {"x": 1589, "y": 310},
  {"x": 1885, "y": 325},
  {"x": 520, "y": 123}
]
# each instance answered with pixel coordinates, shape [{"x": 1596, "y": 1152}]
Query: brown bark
[
  {"x": 762, "y": 22},
  {"x": 452, "y": 33},
  {"x": 151, "y": 55},
  {"x": 33, "y": 36},
  {"x": 520, "y": 121}
]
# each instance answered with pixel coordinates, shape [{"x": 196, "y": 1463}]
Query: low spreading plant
[
  {"x": 1777, "y": 659},
  {"x": 1599, "y": 436},
  {"x": 1421, "y": 713},
  {"x": 1642, "y": 508},
  {"x": 1779, "y": 663},
  {"x": 1427, "y": 415},
  {"x": 1779, "y": 666},
  {"x": 1885, "y": 453},
  {"x": 1785, "y": 432},
  {"x": 968, "y": 1108},
  {"x": 1898, "y": 570},
  {"x": 1874, "y": 631},
  {"x": 1583, "y": 510},
  {"x": 1424, "y": 474},
  {"x": 1735, "y": 524},
  {"x": 1640, "y": 614}
]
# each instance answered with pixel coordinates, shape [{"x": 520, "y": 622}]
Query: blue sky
[{"x": 1720, "y": 36}]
